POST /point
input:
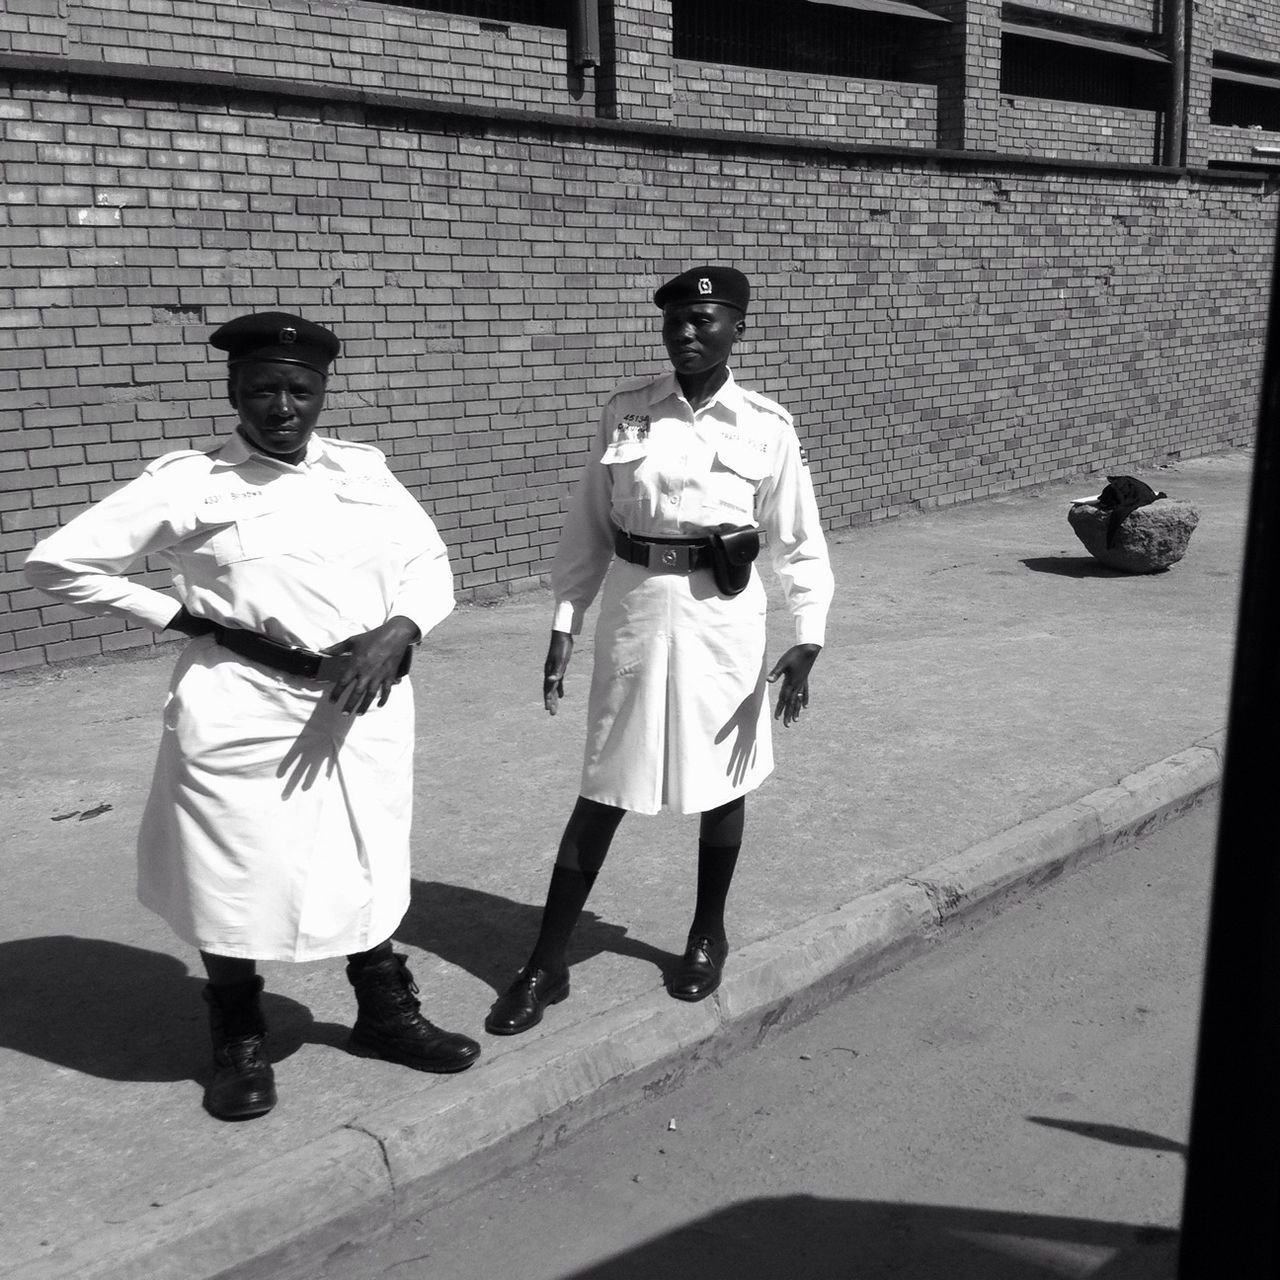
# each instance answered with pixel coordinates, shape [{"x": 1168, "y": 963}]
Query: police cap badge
[
  {"x": 279, "y": 336},
  {"x": 706, "y": 284}
]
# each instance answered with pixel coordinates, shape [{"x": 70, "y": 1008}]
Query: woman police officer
[
  {"x": 677, "y": 713},
  {"x": 277, "y": 827}
]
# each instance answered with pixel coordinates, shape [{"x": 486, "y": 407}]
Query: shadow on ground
[
  {"x": 1072, "y": 567},
  {"x": 1117, "y": 1134},
  {"x": 490, "y": 937},
  {"x": 805, "y": 1236},
  {"x": 124, "y": 1013}
]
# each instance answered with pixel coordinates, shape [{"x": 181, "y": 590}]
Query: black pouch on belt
[{"x": 732, "y": 551}]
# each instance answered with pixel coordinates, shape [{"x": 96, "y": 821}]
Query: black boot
[
  {"x": 243, "y": 1084},
  {"x": 389, "y": 1024}
]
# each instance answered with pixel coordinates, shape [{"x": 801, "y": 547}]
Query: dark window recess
[
  {"x": 1246, "y": 106},
  {"x": 534, "y": 13},
  {"x": 1245, "y": 93},
  {"x": 1032, "y": 68},
  {"x": 819, "y": 39}
]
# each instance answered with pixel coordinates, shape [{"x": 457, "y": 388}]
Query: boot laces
[{"x": 244, "y": 1053}]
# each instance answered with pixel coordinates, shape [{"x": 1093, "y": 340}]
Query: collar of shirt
[
  {"x": 237, "y": 450},
  {"x": 726, "y": 404}
]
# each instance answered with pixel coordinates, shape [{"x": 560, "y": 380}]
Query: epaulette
[
  {"x": 769, "y": 406},
  {"x": 628, "y": 385},
  {"x": 170, "y": 459},
  {"x": 338, "y": 443}
]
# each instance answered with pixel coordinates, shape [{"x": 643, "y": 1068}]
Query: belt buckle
[{"x": 677, "y": 558}]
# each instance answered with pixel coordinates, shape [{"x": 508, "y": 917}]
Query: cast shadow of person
[
  {"x": 489, "y": 936},
  {"x": 315, "y": 750},
  {"x": 124, "y": 1013},
  {"x": 744, "y": 724}
]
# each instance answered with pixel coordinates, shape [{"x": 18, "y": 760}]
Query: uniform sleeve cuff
[
  {"x": 152, "y": 608},
  {"x": 811, "y": 630},
  {"x": 567, "y": 617}
]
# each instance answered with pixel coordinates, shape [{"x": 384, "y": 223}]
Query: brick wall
[
  {"x": 638, "y": 35},
  {"x": 1138, "y": 14},
  {"x": 317, "y": 42},
  {"x": 1079, "y": 131},
  {"x": 745, "y": 99},
  {"x": 965, "y": 58},
  {"x": 942, "y": 331},
  {"x": 1251, "y": 29}
]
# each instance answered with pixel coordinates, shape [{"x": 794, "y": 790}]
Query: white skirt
[
  {"x": 677, "y": 714},
  {"x": 277, "y": 828}
]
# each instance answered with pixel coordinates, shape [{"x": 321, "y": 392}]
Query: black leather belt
[
  {"x": 664, "y": 555},
  {"x": 288, "y": 658},
  {"x": 291, "y": 659}
]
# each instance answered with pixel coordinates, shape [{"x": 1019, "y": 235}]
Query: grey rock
[{"x": 1149, "y": 539}]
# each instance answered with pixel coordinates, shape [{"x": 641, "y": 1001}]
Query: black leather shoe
[
  {"x": 243, "y": 1084},
  {"x": 390, "y": 1024},
  {"x": 526, "y": 998},
  {"x": 700, "y": 968}
]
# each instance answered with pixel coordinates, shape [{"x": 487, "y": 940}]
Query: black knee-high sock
[
  {"x": 566, "y": 896},
  {"x": 716, "y": 865},
  {"x": 360, "y": 959},
  {"x": 583, "y": 848}
]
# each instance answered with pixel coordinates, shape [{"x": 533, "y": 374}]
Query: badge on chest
[{"x": 633, "y": 429}]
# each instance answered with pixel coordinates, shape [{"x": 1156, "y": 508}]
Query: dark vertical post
[
  {"x": 1231, "y": 1207},
  {"x": 1177, "y": 34},
  {"x": 584, "y": 33}
]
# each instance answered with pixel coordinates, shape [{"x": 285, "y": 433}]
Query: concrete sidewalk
[{"x": 991, "y": 707}]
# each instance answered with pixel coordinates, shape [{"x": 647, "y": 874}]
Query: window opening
[
  {"x": 1048, "y": 55},
  {"x": 1245, "y": 93},
  {"x": 823, "y": 39}
]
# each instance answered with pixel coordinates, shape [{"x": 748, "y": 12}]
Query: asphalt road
[{"x": 1012, "y": 1106}]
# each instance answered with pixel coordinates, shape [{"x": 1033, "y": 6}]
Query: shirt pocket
[
  {"x": 620, "y": 452},
  {"x": 366, "y": 490},
  {"x": 735, "y": 476},
  {"x": 249, "y": 532},
  {"x": 742, "y": 460}
]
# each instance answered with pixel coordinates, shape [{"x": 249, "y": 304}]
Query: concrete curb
[{"x": 280, "y": 1220}]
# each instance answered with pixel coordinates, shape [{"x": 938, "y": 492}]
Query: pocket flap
[
  {"x": 620, "y": 451},
  {"x": 370, "y": 490},
  {"x": 743, "y": 459}
]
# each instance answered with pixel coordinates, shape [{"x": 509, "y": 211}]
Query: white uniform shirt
[
  {"x": 657, "y": 469},
  {"x": 277, "y": 828},
  {"x": 309, "y": 554}
]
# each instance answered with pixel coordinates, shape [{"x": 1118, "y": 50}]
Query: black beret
[
  {"x": 277, "y": 335},
  {"x": 706, "y": 284}
]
